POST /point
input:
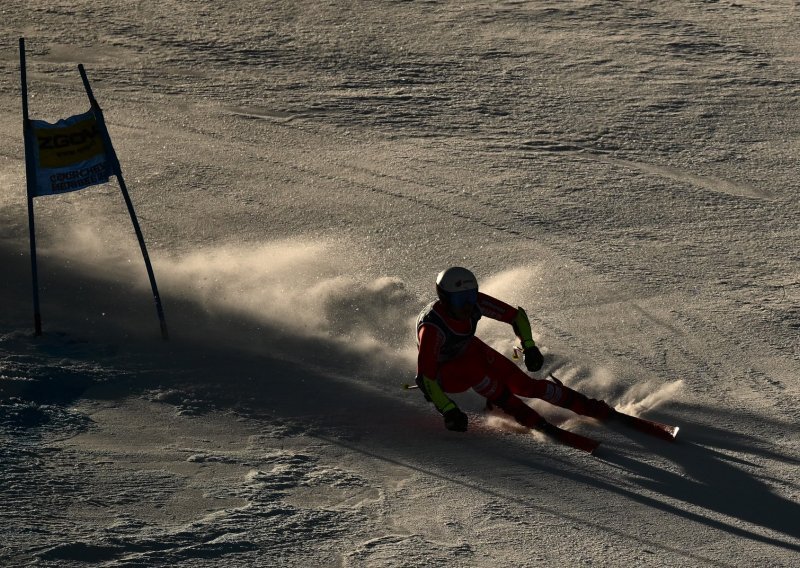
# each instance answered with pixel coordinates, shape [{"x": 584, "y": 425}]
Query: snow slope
[{"x": 626, "y": 171}]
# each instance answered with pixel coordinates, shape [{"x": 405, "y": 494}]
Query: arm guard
[
  {"x": 522, "y": 328},
  {"x": 434, "y": 393}
]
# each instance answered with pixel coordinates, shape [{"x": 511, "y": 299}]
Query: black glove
[
  {"x": 455, "y": 420},
  {"x": 533, "y": 358}
]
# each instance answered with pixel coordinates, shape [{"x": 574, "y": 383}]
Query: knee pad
[
  {"x": 492, "y": 389},
  {"x": 558, "y": 395}
]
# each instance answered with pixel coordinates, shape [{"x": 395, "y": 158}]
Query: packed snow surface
[{"x": 625, "y": 171}]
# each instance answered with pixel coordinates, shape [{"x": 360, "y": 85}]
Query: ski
[
  {"x": 577, "y": 441},
  {"x": 568, "y": 438},
  {"x": 657, "y": 429}
]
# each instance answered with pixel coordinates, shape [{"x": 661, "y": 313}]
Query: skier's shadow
[{"x": 713, "y": 481}]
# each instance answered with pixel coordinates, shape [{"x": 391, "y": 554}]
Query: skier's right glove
[
  {"x": 534, "y": 360},
  {"x": 455, "y": 420}
]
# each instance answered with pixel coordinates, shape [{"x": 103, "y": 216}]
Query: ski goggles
[{"x": 464, "y": 297}]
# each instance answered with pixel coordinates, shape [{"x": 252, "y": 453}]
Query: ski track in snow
[{"x": 302, "y": 170}]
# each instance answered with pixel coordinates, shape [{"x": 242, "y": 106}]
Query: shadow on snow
[{"x": 344, "y": 396}]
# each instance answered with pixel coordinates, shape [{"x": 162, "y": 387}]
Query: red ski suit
[{"x": 451, "y": 355}]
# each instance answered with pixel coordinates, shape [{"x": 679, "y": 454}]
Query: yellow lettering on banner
[{"x": 67, "y": 145}]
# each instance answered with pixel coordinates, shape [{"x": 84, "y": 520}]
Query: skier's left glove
[{"x": 534, "y": 360}]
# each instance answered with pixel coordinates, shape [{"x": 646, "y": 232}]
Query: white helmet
[{"x": 457, "y": 286}]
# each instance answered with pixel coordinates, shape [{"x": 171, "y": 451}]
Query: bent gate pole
[{"x": 117, "y": 171}]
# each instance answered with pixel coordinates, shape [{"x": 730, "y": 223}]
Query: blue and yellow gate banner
[
  {"x": 68, "y": 155},
  {"x": 72, "y": 154}
]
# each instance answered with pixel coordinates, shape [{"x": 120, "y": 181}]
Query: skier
[{"x": 451, "y": 359}]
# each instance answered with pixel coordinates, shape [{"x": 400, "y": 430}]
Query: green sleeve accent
[
  {"x": 522, "y": 327},
  {"x": 437, "y": 396}
]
